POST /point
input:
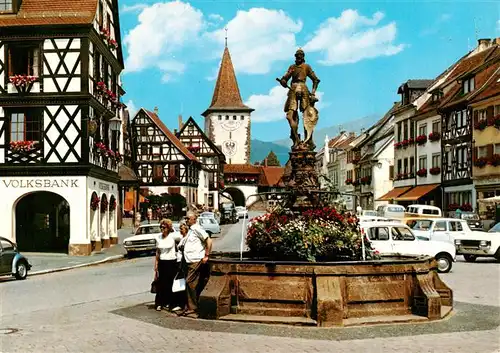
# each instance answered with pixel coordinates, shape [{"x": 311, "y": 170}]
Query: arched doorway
[
  {"x": 112, "y": 213},
  {"x": 42, "y": 222},
  {"x": 237, "y": 196},
  {"x": 104, "y": 218}
]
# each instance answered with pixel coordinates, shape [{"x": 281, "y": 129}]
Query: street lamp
[{"x": 115, "y": 125}]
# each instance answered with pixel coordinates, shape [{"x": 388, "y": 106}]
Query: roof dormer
[
  {"x": 468, "y": 84},
  {"x": 9, "y": 6}
]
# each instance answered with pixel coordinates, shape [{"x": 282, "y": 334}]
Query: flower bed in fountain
[{"x": 306, "y": 269}]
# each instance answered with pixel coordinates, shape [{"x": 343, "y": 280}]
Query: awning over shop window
[
  {"x": 391, "y": 195},
  {"x": 417, "y": 192}
]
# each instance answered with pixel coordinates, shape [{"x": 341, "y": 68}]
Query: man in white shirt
[{"x": 196, "y": 249}]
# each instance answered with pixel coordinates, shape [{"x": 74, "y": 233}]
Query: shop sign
[
  {"x": 40, "y": 183},
  {"x": 103, "y": 186}
]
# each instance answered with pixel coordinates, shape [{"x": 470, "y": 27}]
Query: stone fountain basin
[{"x": 394, "y": 289}]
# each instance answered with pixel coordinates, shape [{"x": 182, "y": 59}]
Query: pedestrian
[
  {"x": 165, "y": 265},
  {"x": 196, "y": 249},
  {"x": 180, "y": 297}
]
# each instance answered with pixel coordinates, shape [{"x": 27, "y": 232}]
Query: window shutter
[
  {"x": 391, "y": 172},
  {"x": 489, "y": 150},
  {"x": 474, "y": 154},
  {"x": 476, "y": 116},
  {"x": 11, "y": 66},
  {"x": 489, "y": 112},
  {"x": 35, "y": 71}
]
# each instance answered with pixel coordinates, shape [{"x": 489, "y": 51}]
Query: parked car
[
  {"x": 368, "y": 213},
  {"x": 397, "y": 238},
  {"x": 423, "y": 210},
  {"x": 479, "y": 244},
  {"x": 241, "y": 211},
  {"x": 210, "y": 225},
  {"x": 228, "y": 213},
  {"x": 391, "y": 211},
  {"x": 11, "y": 261},
  {"x": 368, "y": 219},
  {"x": 472, "y": 220},
  {"x": 144, "y": 240},
  {"x": 442, "y": 229}
]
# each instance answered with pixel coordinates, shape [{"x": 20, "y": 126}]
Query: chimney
[
  {"x": 175, "y": 131},
  {"x": 180, "y": 121},
  {"x": 352, "y": 134},
  {"x": 156, "y": 110},
  {"x": 265, "y": 162},
  {"x": 483, "y": 44}
]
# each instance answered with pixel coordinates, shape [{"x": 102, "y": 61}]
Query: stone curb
[{"x": 114, "y": 258}]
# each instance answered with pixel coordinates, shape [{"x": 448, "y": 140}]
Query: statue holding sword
[{"x": 299, "y": 97}]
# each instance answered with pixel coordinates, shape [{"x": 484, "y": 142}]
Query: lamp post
[{"x": 115, "y": 125}]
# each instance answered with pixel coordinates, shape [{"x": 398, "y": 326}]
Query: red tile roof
[
  {"x": 50, "y": 12},
  {"x": 241, "y": 169},
  {"x": 271, "y": 176},
  {"x": 492, "y": 87},
  {"x": 170, "y": 135}
]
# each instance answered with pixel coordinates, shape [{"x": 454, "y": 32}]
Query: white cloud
[
  {"x": 164, "y": 29},
  {"x": 216, "y": 17},
  {"x": 133, "y": 8},
  {"x": 270, "y": 107},
  {"x": 132, "y": 109},
  {"x": 352, "y": 37},
  {"x": 257, "y": 38}
]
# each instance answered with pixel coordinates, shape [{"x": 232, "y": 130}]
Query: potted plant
[
  {"x": 481, "y": 162},
  {"x": 22, "y": 146},
  {"x": 435, "y": 170},
  {"x": 434, "y": 136},
  {"x": 422, "y": 172},
  {"x": 481, "y": 124},
  {"x": 421, "y": 139},
  {"x": 94, "y": 202}
]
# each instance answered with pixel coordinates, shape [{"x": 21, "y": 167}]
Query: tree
[{"x": 272, "y": 160}]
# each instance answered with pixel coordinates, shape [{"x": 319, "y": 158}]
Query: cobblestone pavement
[{"x": 107, "y": 309}]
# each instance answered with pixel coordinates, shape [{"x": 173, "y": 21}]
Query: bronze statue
[{"x": 299, "y": 97}]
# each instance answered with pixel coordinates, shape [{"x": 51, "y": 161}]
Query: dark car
[
  {"x": 472, "y": 219},
  {"x": 11, "y": 261},
  {"x": 228, "y": 213}
]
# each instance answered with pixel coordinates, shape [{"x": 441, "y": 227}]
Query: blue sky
[{"x": 361, "y": 51}]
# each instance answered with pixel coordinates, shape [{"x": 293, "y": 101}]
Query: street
[{"x": 107, "y": 308}]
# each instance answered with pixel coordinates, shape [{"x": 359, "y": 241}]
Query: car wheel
[
  {"x": 470, "y": 258},
  {"x": 130, "y": 254},
  {"x": 444, "y": 263},
  {"x": 21, "y": 270},
  {"x": 497, "y": 255}
]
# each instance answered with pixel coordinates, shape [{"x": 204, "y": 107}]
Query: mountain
[
  {"x": 260, "y": 150},
  {"x": 351, "y": 126}
]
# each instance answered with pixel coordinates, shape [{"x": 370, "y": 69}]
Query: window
[
  {"x": 405, "y": 130},
  {"x": 456, "y": 227},
  {"x": 468, "y": 85},
  {"x": 435, "y": 126},
  {"x": 144, "y": 171},
  {"x": 7, "y": 245},
  {"x": 399, "y": 132},
  {"x": 227, "y": 117},
  {"x": 97, "y": 66},
  {"x": 430, "y": 211},
  {"x": 242, "y": 117},
  {"x": 482, "y": 152},
  {"x": 25, "y": 126},
  {"x": 412, "y": 129},
  {"x": 5, "y": 5},
  {"x": 391, "y": 172},
  {"x": 157, "y": 172},
  {"x": 422, "y": 129},
  {"x": 497, "y": 109},
  {"x": 399, "y": 166},
  {"x": 144, "y": 150},
  {"x": 405, "y": 164},
  {"x": 440, "y": 226},
  {"x": 220, "y": 117},
  {"x": 423, "y": 224},
  {"x": 496, "y": 148},
  {"x": 401, "y": 233},
  {"x": 422, "y": 162},
  {"x": 23, "y": 59},
  {"x": 234, "y": 117},
  {"x": 378, "y": 233}
]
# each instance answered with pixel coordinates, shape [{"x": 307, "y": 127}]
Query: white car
[
  {"x": 144, "y": 240},
  {"x": 210, "y": 225},
  {"x": 443, "y": 229},
  {"x": 479, "y": 244},
  {"x": 369, "y": 219},
  {"x": 397, "y": 238},
  {"x": 242, "y": 212}
]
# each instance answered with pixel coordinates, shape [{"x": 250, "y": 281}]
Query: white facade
[
  {"x": 429, "y": 154},
  {"x": 85, "y": 225},
  {"x": 231, "y": 131},
  {"x": 381, "y": 181}
]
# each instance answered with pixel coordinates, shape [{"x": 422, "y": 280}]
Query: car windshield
[
  {"x": 395, "y": 209},
  {"x": 470, "y": 216},
  {"x": 370, "y": 213},
  {"x": 495, "y": 229},
  {"x": 207, "y": 214},
  {"x": 148, "y": 229},
  {"x": 227, "y": 205},
  {"x": 423, "y": 224},
  {"x": 208, "y": 221}
]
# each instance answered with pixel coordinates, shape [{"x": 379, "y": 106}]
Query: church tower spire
[{"x": 227, "y": 119}]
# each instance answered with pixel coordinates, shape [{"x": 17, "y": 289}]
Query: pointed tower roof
[{"x": 226, "y": 93}]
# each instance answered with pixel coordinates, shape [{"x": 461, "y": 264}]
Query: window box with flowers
[
  {"x": 23, "y": 83},
  {"x": 481, "y": 162},
  {"x": 435, "y": 170},
  {"x": 434, "y": 136},
  {"x": 193, "y": 149},
  {"x": 348, "y": 181},
  {"x": 101, "y": 149},
  {"x": 22, "y": 146},
  {"x": 496, "y": 121},
  {"x": 398, "y": 145},
  {"x": 495, "y": 160},
  {"x": 411, "y": 141},
  {"x": 355, "y": 182},
  {"x": 466, "y": 207},
  {"x": 453, "y": 206},
  {"x": 421, "y": 139},
  {"x": 481, "y": 124},
  {"x": 366, "y": 180},
  {"x": 94, "y": 202},
  {"x": 355, "y": 160},
  {"x": 405, "y": 143},
  {"x": 422, "y": 172},
  {"x": 101, "y": 88}
]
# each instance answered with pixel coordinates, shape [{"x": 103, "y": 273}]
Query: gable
[{"x": 192, "y": 133}]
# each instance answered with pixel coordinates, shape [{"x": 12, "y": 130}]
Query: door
[
  {"x": 440, "y": 231},
  {"x": 403, "y": 241},
  {"x": 380, "y": 240},
  {"x": 456, "y": 230},
  {"x": 7, "y": 256}
]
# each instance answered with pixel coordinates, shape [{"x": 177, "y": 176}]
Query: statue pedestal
[{"x": 300, "y": 177}]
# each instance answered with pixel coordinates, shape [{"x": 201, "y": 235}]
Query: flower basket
[
  {"x": 101, "y": 149},
  {"x": 193, "y": 149},
  {"x": 366, "y": 180},
  {"x": 495, "y": 160},
  {"x": 22, "y": 146},
  {"x": 421, "y": 139},
  {"x": 112, "y": 204},
  {"x": 422, "y": 172},
  {"x": 22, "y": 81},
  {"x": 481, "y": 162},
  {"x": 104, "y": 205},
  {"x": 434, "y": 136},
  {"x": 435, "y": 170},
  {"x": 94, "y": 202},
  {"x": 405, "y": 143},
  {"x": 348, "y": 181},
  {"x": 466, "y": 207},
  {"x": 481, "y": 124}
]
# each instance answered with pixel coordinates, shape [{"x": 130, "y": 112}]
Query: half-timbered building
[
  {"x": 211, "y": 158},
  {"x": 161, "y": 161},
  {"x": 60, "y": 114},
  {"x": 469, "y": 75}
]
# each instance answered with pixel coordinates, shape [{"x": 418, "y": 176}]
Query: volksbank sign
[{"x": 40, "y": 183}]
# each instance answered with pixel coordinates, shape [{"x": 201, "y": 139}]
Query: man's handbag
[{"x": 179, "y": 284}]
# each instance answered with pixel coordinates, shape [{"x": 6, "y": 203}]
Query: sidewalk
[{"x": 53, "y": 262}]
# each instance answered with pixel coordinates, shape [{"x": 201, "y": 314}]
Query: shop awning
[
  {"x": 417, "y": 192},
  {"x": 391, "y": 195}
]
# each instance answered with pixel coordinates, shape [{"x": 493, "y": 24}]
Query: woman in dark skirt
[{"x": 165, "y": 265}]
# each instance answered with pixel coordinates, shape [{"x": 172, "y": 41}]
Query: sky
[{"x": 361, "y": 51}]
